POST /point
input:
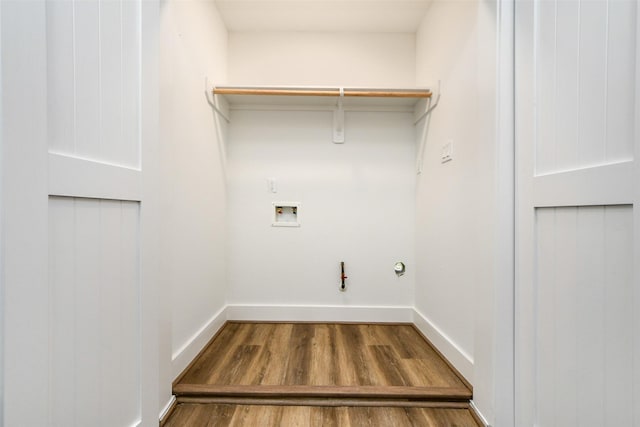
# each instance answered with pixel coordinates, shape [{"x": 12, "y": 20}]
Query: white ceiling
[{"x": 323, "y": 15}]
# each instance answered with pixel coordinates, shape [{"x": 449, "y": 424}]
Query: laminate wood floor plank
[
  {"x": 403, "y": 340},
  {"x": 258, "y": 333},
  {"x": 255, "y": 371},
  {"x": 270, "y": 366},
  {"x": 437, "y": 418},
  {"x": 388, "y": 366},
  {"x": 207, "y": 367},
  {"x": 356, "y": 362},
  {"x": 257, "y": 416},
  {"x": 296, "y": 416},
  {"x": 299, "y": 349},
  {"x": 322, "y": 416},
  {"x": 322, "y": 354},
  {"x": 237, "y": 366},
  {"x": 324, "y": 357},
  {"x": 223, "y": 415},
  {"x": 344, "y": 374},
  {"x": 201, "y": 415},
  {"x": 367, "y": 416},
  {"x": 419, "y": 371}
]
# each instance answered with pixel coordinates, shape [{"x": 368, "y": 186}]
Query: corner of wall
[
  {"x": 192, "y": 187},
  {"x": 451, "y": 195}
]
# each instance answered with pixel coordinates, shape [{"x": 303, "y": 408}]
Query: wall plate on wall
[
  {"x": 286, "y": 214},
  {"x": 399, "y": 268},
  {"x": 447, "y": 152}
]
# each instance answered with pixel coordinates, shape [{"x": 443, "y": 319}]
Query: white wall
[
  {"x": 307, "y": 58},
  {"x": 451, "y": 197},
  {"x": 357, "y": 206},
  {"x": 192, "y": 189},
  {"x": 357, "y": 198},
  {"x": 455, "y": 200}
]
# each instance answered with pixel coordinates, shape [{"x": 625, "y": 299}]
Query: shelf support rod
[
  {"x": 211, "y": 100},
  {"x": 338, "y": 120},
  {"x": 425, "y": 131},
  {"x": 430, "y": 107}
]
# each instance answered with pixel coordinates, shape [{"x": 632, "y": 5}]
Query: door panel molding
[
  {"x": 75, "y": 177},
  {"x": 599, "y": 185}
]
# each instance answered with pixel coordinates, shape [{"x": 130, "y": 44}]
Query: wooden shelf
[
  {"x": 322, "y": 96},
  {"x": 335, "y": 92},
  {"x": 388, "y": 93},
  {"x": 248, "y": 91}
]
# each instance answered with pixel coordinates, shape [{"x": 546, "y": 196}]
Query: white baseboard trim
[
  {"x": 319, "y": 313},
  {"x": 185, "y": 354},
  {"x": 458, "y": 358},
  {"x": 167, "y": 407},
  {"x": 475, "y": 409}
]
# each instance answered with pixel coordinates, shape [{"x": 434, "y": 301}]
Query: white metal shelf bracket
[
  {"x": 217, "y": 112},
  {"x": 338, "y": 120},
  {"x": 431, "y": 104},
  {"x": 212, "y": 100}
]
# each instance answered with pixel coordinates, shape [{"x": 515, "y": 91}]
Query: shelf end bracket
[{"x": 338, "y": 120}]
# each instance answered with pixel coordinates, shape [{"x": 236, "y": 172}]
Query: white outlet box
[
  {"x": 286, "y": 214},
  {"x": 447, "y": 152}
]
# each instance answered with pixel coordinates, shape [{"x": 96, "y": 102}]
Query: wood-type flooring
[
  {"x": 310, "y": 374},
  {"x": 205, "y": 415}
]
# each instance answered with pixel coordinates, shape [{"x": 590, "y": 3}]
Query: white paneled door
[
  {"x": 578, "y": 213},
  {"x": 78, "y": 319}
]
